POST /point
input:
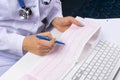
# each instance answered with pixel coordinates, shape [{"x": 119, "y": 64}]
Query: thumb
[
  {"x": 53, "y": 40},
  {"x": 74, "y": 21}
]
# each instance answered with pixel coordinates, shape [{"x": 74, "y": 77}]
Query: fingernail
[{"x": 81, "y": 25}]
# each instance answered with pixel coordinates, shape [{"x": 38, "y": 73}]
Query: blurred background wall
[{"x": 92, "y": 8}]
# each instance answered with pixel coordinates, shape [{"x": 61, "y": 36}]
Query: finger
[
  {"x": 52, "y": 41},
  {"x": 41, "y": 51},
  {"x": 46, "y": 48},
  {"x": 43, "y": 48},
  {"x": 46, "y": 44},
  {"x": 46, "y": 34},
  {"x": 74, "y": 21},
  {"x": 44, "y": 52}
]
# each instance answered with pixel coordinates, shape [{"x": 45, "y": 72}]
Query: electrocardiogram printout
[{"x": 63, "y": 57}]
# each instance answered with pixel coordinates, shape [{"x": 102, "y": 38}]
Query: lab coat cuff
[
  {"x": 59, "y": 14},
  {"x": 16, "y": 45},
  {"x": 50, "y": 19},
  {"x": 55, "y": 12}
]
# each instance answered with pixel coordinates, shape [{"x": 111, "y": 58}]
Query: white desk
[{"x": 110, "y": 31}]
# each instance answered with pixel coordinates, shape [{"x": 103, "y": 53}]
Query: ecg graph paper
[{"x": 63, "y": 57}]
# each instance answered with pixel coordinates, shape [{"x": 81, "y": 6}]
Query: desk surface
[{"x": 109, "y": 31}]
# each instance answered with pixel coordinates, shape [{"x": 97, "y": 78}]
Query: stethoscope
[{"x": 26, "y": 12}]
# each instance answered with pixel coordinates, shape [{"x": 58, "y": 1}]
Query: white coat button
[{"x": 35, "y": 24}]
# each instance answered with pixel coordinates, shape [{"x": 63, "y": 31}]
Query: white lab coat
[{"x": 13, "y": 29}]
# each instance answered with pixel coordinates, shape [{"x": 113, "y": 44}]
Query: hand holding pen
[
  {"x": 48, "y": 39},
  {"x": 39, "y": 44}
]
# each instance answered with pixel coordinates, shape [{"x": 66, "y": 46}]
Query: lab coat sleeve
[
  {"x": 11, "y": 42},
  {"x": 55, "y": 12}
]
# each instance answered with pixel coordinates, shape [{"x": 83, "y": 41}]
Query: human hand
[
  {"x": 64, "y": 23},
  {"x": 38, "y": 46}
]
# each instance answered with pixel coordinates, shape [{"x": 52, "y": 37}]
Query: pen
[{"x": 48, "y": 39}]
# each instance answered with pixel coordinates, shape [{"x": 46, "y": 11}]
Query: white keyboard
[{"x": 101, "y": 64}]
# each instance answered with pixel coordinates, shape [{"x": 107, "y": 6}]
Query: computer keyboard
[{"x": 100, "y": 64}]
